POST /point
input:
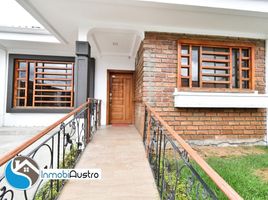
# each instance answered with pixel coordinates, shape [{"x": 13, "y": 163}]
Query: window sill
[
  {"x": 39, "y": 110},
  {"x": 215, "y": 90},
  {"x": 220, "y": 100}
]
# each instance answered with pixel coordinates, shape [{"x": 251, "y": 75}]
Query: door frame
[{"x": 109, "y": 71}]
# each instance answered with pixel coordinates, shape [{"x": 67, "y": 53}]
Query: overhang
[{"x": 64, "y": 18}]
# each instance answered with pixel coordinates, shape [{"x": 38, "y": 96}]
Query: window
[
  {"x": 204, "y": 64},
  {"x": 43, "y": 83}
]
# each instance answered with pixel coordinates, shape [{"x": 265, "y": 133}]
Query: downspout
[{"x": 266, "y": 85}]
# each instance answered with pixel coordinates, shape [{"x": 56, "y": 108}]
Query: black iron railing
[
  {"x": 58, "y": 146},
  {"x": 176, "y": 166}
]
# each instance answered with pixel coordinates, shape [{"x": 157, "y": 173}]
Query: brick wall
[
  {"x": 139, "y": 116},
  {"x": 156, "y": 66}
]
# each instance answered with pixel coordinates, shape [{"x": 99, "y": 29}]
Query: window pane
[
  {"x": 184, "y": 82},
  {"x": 195, "y": 66},
  {"x": 208, "y": 78},
  {"x": 22, "y": 74},
  {"x": 54, "y": 65},
  {"x": 54, "y": 85},
  {"x": 31, "y": 71},
  {"x": 46, "y": 84},
  {"x": 184, "y": 49},
  {"x": 184, "y": 72},
  {"x": 21, "y": 84},
  {"x": 216, "y": 66},
  {"x": 245, "y": 74},
  {"x": 245, "y": 52},
  {"x": 235, "y": 71},
  {"x": 20, "y": 102},
  {"x": 245, "y": 84},
  {"x": 20, "y": 93},
  {"x": 245, "y": 63},
  {"x": 215, "y": 49},
  {"x": 22, "y": 65},
  {"x": 184, "y": 61},
  {"x": 30, "y": 84},
  {"x": 214, "y": 60}
]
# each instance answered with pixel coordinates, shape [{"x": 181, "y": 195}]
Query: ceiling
[
  {"x": 114, "y": 42},
  {"x": 116, "y": 27},
  {"x": 242, "y": 5}
]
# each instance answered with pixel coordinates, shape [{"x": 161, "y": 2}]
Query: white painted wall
[
  {"x": 2, "y": 84},
  {"x": 30, "y": 119},
  {"x": 44, "y": 119},
  {"x": 102, "y": 65}
]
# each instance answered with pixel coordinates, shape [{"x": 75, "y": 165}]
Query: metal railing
[
  {"x": 177, "y": 168},
  {"x": 58, "y": 146}
]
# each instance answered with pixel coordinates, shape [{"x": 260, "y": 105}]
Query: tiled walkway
[{"x": 126, "y": 173}]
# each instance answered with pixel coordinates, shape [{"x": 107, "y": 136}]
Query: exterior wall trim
[
  {"x": 216, "y": 43},
  {"x": 220, "y": 100}
]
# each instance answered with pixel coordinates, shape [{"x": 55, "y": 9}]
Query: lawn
[{"x": 246, "y": 172}]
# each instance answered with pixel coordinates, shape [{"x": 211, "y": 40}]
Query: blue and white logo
[{"x": 22, "y": 172}]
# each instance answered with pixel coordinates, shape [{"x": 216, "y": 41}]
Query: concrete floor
[
  {"x": 11, "y": 137},
  {"x": 126, "y": 174}
]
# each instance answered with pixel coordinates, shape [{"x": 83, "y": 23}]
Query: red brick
[{"x": 156, "y": 79}]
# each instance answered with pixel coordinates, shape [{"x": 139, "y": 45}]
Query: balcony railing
[
  {"x": 58, "y": 146},
  {"x": 177, "y": 168}
]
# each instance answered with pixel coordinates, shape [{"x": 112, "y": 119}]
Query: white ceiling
[
  {"x": 17, "y": 24},
  {"x": 246, "y": 5},
  {"x": 118, "y": 42},
  {"x": 114, "y": 42},
  {"x": 124, "y": 21},
  {"x": 13, "y": 15}
]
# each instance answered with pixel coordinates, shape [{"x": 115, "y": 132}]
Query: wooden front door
[{"x": 120, "y": 98}]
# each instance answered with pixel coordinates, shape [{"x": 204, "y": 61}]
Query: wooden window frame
[
  {"x": 10, "y": 107},
  {"x": 219, "y": 44}
]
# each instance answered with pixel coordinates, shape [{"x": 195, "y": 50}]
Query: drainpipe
[{"x": 266, "y": 85}]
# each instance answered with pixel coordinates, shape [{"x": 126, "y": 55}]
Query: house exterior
[
  {"x": 202, "y": 66},
  {"x": 200, "y": 109}
]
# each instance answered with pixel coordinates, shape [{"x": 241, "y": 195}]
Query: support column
[
  {"x": 84, "y": 73},
  {"x": 91, "y": 68}
]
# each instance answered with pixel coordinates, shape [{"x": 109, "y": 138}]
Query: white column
[
  {"x": 3, "y": 80},
  {"x": 266, "y": 84},
  {"x": 82, "y": 34}
]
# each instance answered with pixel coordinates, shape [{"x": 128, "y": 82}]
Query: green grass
[{"x": 239, "y": 172}]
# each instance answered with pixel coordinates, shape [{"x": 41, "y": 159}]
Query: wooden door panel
[
  {"x": 120, "y": 98},
  {"x": 128, "y": 99}
]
